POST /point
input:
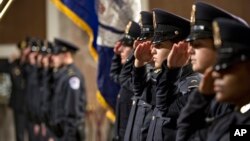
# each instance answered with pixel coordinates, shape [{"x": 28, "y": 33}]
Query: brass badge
[
  {"x": 64, "y": 48},
  {"x": 216, "y": 35},
  {"x": 23, "y": 44},
  {"x": 192, "y": 18},
  {"x": 17, "y": 71},
  {"x": 154, "y": 20},
  {"x": 128, "y": 27},
  {"x": 140, "y": 21}
]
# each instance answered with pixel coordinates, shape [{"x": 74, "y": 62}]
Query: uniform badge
[
  {"x": 154, "y": 20},
  {"x": 74, "y": 83},
  {"x": 128, "y": 27},
  {"x": 140, "y": 21},
  {"x": 17, "y": 71},
  {"x": 192, "y": 18},
  {"x": 216, "y": 35},
  {"x": 64, "y": 48},
  {"x": 23, "y": 44}
]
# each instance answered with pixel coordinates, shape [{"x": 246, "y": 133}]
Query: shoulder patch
[{"x": 74, "y": 83}]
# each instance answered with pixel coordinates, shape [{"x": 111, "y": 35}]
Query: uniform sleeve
[
  {"x": 192, "y": 117},
  {"x": 139, "y": 80},
  {"x": 166, "y": 88},
  {"x": 115, "y": 69},
  {"x": 46, "y": 93},
  {"x": 186, "y": 86},
  {"x": 32, "y": 93},
  {"x": 74, "y": 107},
  {"x": 126, "y": 73}
]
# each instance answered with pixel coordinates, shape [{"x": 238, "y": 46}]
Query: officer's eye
[
  {"x": 157, "y": 46},
  {"x": 195, "y": 44}
]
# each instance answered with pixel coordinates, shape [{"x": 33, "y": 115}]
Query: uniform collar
[
  {"x": 244, "y": 109},
  {"x": 60, "y": 71}
]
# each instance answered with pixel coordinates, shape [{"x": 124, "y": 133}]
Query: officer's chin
[
  {"x": 157, "y": 65},
  {"x": 220, "y": 96}
]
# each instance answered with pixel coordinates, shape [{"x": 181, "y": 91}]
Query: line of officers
[
  {"x": 48, "y": 92},
  {"x": 182, "y": 80}
]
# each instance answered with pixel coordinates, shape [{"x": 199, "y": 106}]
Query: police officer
[
  {"x": 124, "y": 101},
  {"x": 174, "y": 81},
  {"x": 32, "y": 86},
  {"x": 68, "y": 101},
  {"x": 43, "y": 91},
  {"x": 203, "y": 56},
  {"x": 140, "y": 110},
  {"x": 17, "y": 95},
  {"x": 234, "y": 63},
  {"x": 231, "y": 79}
]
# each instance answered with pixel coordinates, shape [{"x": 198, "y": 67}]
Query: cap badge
[
  {"x": 64, "y": 48},
  {"x": 23, "y": 44},
  {"x": 192, "y": 18},
  {"x": 128, "y": 27},
  {"x": 140, "y": 21},
  {"x": 216, "y": 35},
  {"x": 154, "y": 20}
]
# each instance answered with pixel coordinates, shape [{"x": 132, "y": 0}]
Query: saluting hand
[
  {"x": 207, "y": 82},
  {"x": 136, "y": 43},
  {"x": 44, "y": 130},
  {"x": 178, "y": 55},
  {"x": 117, "y": 47},
  {"x": 36, "y": 129},
  {"x": 143, "y": 53},
  {"x": 51, "y": 139}
]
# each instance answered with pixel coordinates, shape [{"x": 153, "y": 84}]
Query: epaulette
[{"x": 71, "y": 72}]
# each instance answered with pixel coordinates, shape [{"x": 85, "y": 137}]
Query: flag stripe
[{"x": 79, "y": 22}]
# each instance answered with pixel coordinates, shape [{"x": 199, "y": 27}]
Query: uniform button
[
  {"x": 144, "y": 103},
  {"x": 153, "y": 118},
  {"x": 133, "y": 102},
  {"x": 118, "y": 96}
]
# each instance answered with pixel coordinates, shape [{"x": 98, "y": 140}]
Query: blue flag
[{"x": 83, "y": 14}]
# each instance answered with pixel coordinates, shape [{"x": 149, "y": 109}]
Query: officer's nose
[
  {"x": 190, "y": 49},
  {"x": 51, "y": 58},
  {"x": 216, "y": 75},
  {"x": 153, "y": 50}
]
